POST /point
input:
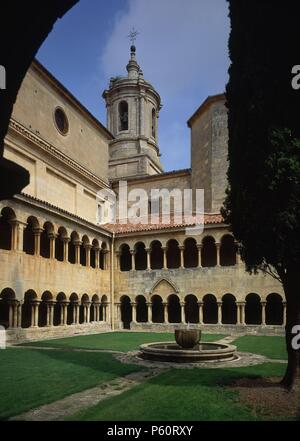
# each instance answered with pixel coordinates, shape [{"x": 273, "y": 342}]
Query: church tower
[{"x": 133, "y": 107}]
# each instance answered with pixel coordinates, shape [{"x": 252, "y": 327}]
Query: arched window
[
  {"x": 253, "y": 312},
  {"x": 229, "y": 309},
  {"x": 190, "y": 253},
  {"x": 153, "y": 131},
  {"x": 227, "y": 251},
  {"x": 156, "y": 255},
  {"x": 7, "y": 215},
  {"x": 174, "y": 309},
  {"x": 173, "y": 254},
  {"x": 126, "y": 312},
  {"x": 28, "y": 238},
  {"x": 157, "y": 309},
  {"x": 125, "y": 258},
  {"x": 48, "y": 229},
  {"x": 141, "y": 309},
  {"x": 209, "y": 252},
  {"x": 123, "y": 116},
  {"x": 274, "y": 309},
  {"x": 191, "y": 309},
  {"x": 140, "y": 256},
  {"x": 210, "y": 309}
]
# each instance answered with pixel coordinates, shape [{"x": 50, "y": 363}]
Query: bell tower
[{"x": 133, "y": 107}]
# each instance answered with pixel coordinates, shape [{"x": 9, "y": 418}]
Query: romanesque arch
[
  {"x": 253, "y": 310},
  {"x": 210, "y": 309},
  {"x": 229, "y": 309},
  {"x": 191, "y": 309},
  {"x": 126, "y": 312}
]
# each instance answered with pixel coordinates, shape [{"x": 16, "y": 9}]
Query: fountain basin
[
  {"x": 187, "y": 338},
  {"x": 172, "y": 352}
]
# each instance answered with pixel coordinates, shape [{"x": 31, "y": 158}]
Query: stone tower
[{"x": 133, "y": 107}]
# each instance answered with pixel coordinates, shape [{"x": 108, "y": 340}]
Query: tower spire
[{"x": 132, "y": 67}]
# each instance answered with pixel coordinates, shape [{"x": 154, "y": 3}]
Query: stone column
[
  {"x": 52, "y": 237},
  {"x": 17, "y": 235},
  {"x": 148, "y": 251},
  {"x": 65, "y": 317},
  {"x": 48, "y": 319},
  {"x": 263, "y": 313},
  {"x": 166, "y": 318},
  {"x": 88, "y": 254},
  {"x": 97, "y": 257},
  {"x": 118, "y": 305},
  {"x": 106, "y": 258},
  {"x": 88, "y": 312},
  {"x": 75, "y": 313},
  {"x": 182, "y": 312},
  {"x": 200, "y": 306},
  {"x": 219, "y": 313},
  {"x": 66, "y": 241},
  {"x": 19, "y": 314},
  {"x": 37, "y": 240},
  {"x": 284, "y": 313},
  {"x": 132, "y": 252},
  {"x": 104, "y": 312},
  {"x": 133, "y": 304},
  {"x": 149, "y": 309},
  {"x": 181, "y": 249},
  {"x": 35, "y": 313},
  {"x": 63, "y": 312},
  {"x": 240, "y": 313},
  {"x": 199, "y": 247},
  {"x": 77, "y": 245},
  {"x": 218, "y": 246},
  {"x": 13, "y": 314},
  {"x": 50, "y": 310},
  {"x": 165, "y": 266},
  {"x": 242, "y": 306}
]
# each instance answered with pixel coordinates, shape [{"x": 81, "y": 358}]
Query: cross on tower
[{"x": 133, "y": 35}]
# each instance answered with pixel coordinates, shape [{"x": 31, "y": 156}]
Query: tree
[{"x": 263, "y": 197}]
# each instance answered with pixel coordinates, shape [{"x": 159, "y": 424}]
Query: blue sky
[{"x": 182, "y": 50}]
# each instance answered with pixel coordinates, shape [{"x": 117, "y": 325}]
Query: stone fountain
[{"x": 187, "y": 349}]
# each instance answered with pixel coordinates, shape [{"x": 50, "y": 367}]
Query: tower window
[
  {"x": 123, "y": 116},
  {"x": 153, "y": 122}
]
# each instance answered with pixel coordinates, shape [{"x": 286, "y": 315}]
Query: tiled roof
[{"x": 119, "y": 228}]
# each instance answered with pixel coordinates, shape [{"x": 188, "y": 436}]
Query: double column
[
  {"x": 240, "y": 313},
  {"x": 15, "y": 314},
  {"x": 63, "y": 312}
]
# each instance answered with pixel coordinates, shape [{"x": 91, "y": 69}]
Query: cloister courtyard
[{"x": 99, "y": 377}]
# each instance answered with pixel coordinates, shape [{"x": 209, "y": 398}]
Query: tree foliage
[{"x": 263, "y": 198}]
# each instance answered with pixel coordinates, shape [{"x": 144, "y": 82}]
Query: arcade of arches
[
  {"x": 191, "y": 254},
  {"x": 142, "y": 262},
  {"x": 228, "y": 311}
]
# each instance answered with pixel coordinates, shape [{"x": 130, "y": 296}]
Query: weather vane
[{"x": 132, "y": 35}]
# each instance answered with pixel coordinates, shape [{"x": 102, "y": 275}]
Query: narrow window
[
  {"x": 153, "y": 122},
  {"x": 123, "y": 116}
]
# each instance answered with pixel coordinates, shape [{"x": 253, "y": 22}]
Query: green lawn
[
  {"x": 182, "y": 395},
  {"x": 117, "y": 341},
  {"x": 30, "y": 378},
  {"x": 271, "y": 347}
]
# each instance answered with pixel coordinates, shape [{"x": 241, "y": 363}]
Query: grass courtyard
[{"x": 31, "y": 377}]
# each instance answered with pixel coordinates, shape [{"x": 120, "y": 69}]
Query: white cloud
[{"x": 182, "y": 49}]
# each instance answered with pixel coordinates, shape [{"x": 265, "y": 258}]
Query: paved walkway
[{"x": 61, "y": 409}]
